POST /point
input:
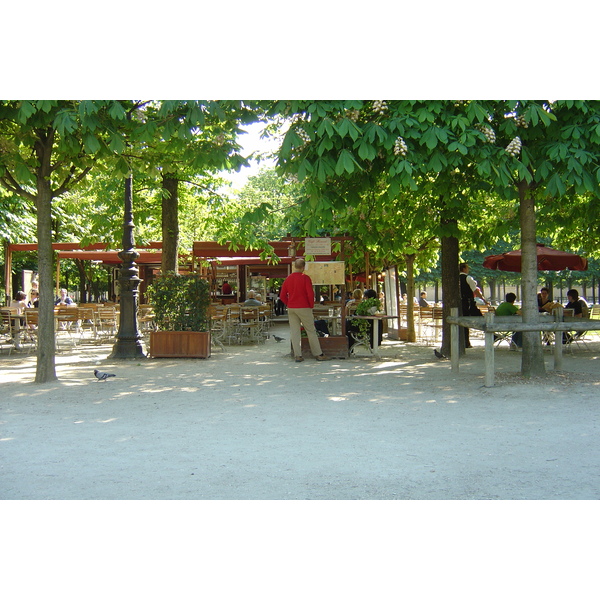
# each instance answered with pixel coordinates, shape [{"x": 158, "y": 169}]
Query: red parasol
[{"x": 547, "y": 260}]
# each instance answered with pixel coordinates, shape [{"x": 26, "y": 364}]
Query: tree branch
[
  {"x": 12, "y": 185},
  {"x": 70, "y": 179}
]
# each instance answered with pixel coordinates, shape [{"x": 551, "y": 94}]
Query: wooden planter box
[
  {"x": 180, "y": 344},
  {"x": 334, "y": 346}
]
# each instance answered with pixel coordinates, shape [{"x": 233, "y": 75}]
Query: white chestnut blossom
[
  {"x": 488, "y": 132},
  {"x": 380, "y": 107},
  {"x": 400, "y": 147},
  {"x": 514, "y": 148}
]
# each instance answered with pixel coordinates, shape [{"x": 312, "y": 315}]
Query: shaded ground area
[{"x": 249, "y": 423}]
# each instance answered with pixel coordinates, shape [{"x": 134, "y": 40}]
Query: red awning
[
  {"x": 248, "y": 260},
  {"x": 110, "y": 257}
]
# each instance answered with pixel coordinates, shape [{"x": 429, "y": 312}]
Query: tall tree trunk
[
  {"x": 170, "y": 223},
  {"x": 450, "y": 287},
  {"x": 532, "y": 361},
  {"x": 45, "y": 368},
  {"x": 411, "y": 335}
]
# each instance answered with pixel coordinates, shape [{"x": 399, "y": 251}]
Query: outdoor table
[
  {"x": 491, "y": 324},
  {"x": 376, "y": 321}
]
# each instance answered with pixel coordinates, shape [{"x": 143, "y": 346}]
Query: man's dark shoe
[{"x": 322, "y": 357}]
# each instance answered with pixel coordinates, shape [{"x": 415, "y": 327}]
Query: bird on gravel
[
  {"x": 103, "y": 376},
  {"x": 278, "y": 339},
  {"x": 439, "y": 354}
]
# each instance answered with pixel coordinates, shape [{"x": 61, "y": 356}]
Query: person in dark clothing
[
  {"x": 580, "y": 310},
  {"x": 543, "y": 298},
  {"x": 468, "y": 292}
]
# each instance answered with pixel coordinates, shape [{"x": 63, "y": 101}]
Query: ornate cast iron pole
[{"x": 128, "y": 344}]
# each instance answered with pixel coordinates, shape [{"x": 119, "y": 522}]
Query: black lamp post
[{"x": 128, "y": 344}]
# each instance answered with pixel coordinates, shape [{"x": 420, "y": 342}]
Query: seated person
[
  {"x": 251, "y": 300},
  {"x": 322, "y": 328},
  {"x": 353, "y": 325},
  {"x": 543, "y": 298},
  {"x": 508, "y": 309},
  {"x": 351, "y": 305},
  {"x": 35, "y": 299},
  {"x": 580, "y": 310},
  {"x": 64, "y": 299},
  {"x": 226, "y": 288},
  {"x": 423, "y": 300},
  {"x": 20, "y": 304},
  {"x": 576, "y": 303}
]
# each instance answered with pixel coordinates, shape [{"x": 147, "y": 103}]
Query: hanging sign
[
  {"x": 317, "y": 246},
  {"x": 326, "y": 273}
]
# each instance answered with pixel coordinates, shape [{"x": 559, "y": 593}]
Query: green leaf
[
  {"x": 65, "y": 122},
  {"x": 366, "y": 151},
  {"x": 25, "y": 111},
  {"x": 344, "y": 163},
  {"x": 325, "y": 127},
  {"x": 323, "y": 169},
  {"x": 430, "y": 138},
  {"x": 116, "y": 144},
  {"x": 324, "y": 146},
  {"x": 117, "y": 112},
  {"x": 304, "y": 169},
  {"x": 23, "y": 173},
  {"x": 45, "y": 105},
  {"x": 122, "y": 166},
  {"x": 457, "y": 146},
  {"x": 484, "y": 168},
  {"x": 343, "y": 127},
  {"x": 88, "y": 107},
  {"x": 441, "y": 134},
  {"x": 524, "y": 173},
  {"x": 437, "y": 162},
  {"x": 91, "y": 143},
  {"x": 381, "y": 133},
  {"x": 555, "y": 186},
  {"x": 544, "y": 169}
]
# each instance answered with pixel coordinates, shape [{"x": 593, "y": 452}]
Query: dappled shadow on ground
[{"x": 269, "y": 367}]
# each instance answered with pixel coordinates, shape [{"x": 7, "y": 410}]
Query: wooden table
[{"x": 491, "y": 324}]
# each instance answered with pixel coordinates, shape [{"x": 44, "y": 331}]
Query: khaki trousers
[{"x": 305, "y": 317}]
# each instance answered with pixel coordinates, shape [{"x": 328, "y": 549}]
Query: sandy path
[{"x": 249, "y": 423}]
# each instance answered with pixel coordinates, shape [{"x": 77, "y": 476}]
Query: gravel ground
[{"x": 251, "y": 424}]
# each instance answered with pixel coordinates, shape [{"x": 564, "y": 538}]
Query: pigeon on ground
[
  {"x": 439, "y": 354},
  {"x": 103, "y": 376},
  {"x": 278, "y": 339}
]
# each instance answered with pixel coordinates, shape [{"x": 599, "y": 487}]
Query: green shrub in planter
[
  {"x": 180, "y": 302},
  {"x": 367, "y": 306}
]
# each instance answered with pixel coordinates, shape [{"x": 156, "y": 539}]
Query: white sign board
[
  {"x": 326, "y": 273},
  {"x": 317, "y": 246}
]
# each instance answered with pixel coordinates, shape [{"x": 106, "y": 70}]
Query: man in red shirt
[{"x": 298, "y": 295}]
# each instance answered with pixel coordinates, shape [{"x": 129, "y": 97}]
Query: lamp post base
[{"x": 127, "y": 349}]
